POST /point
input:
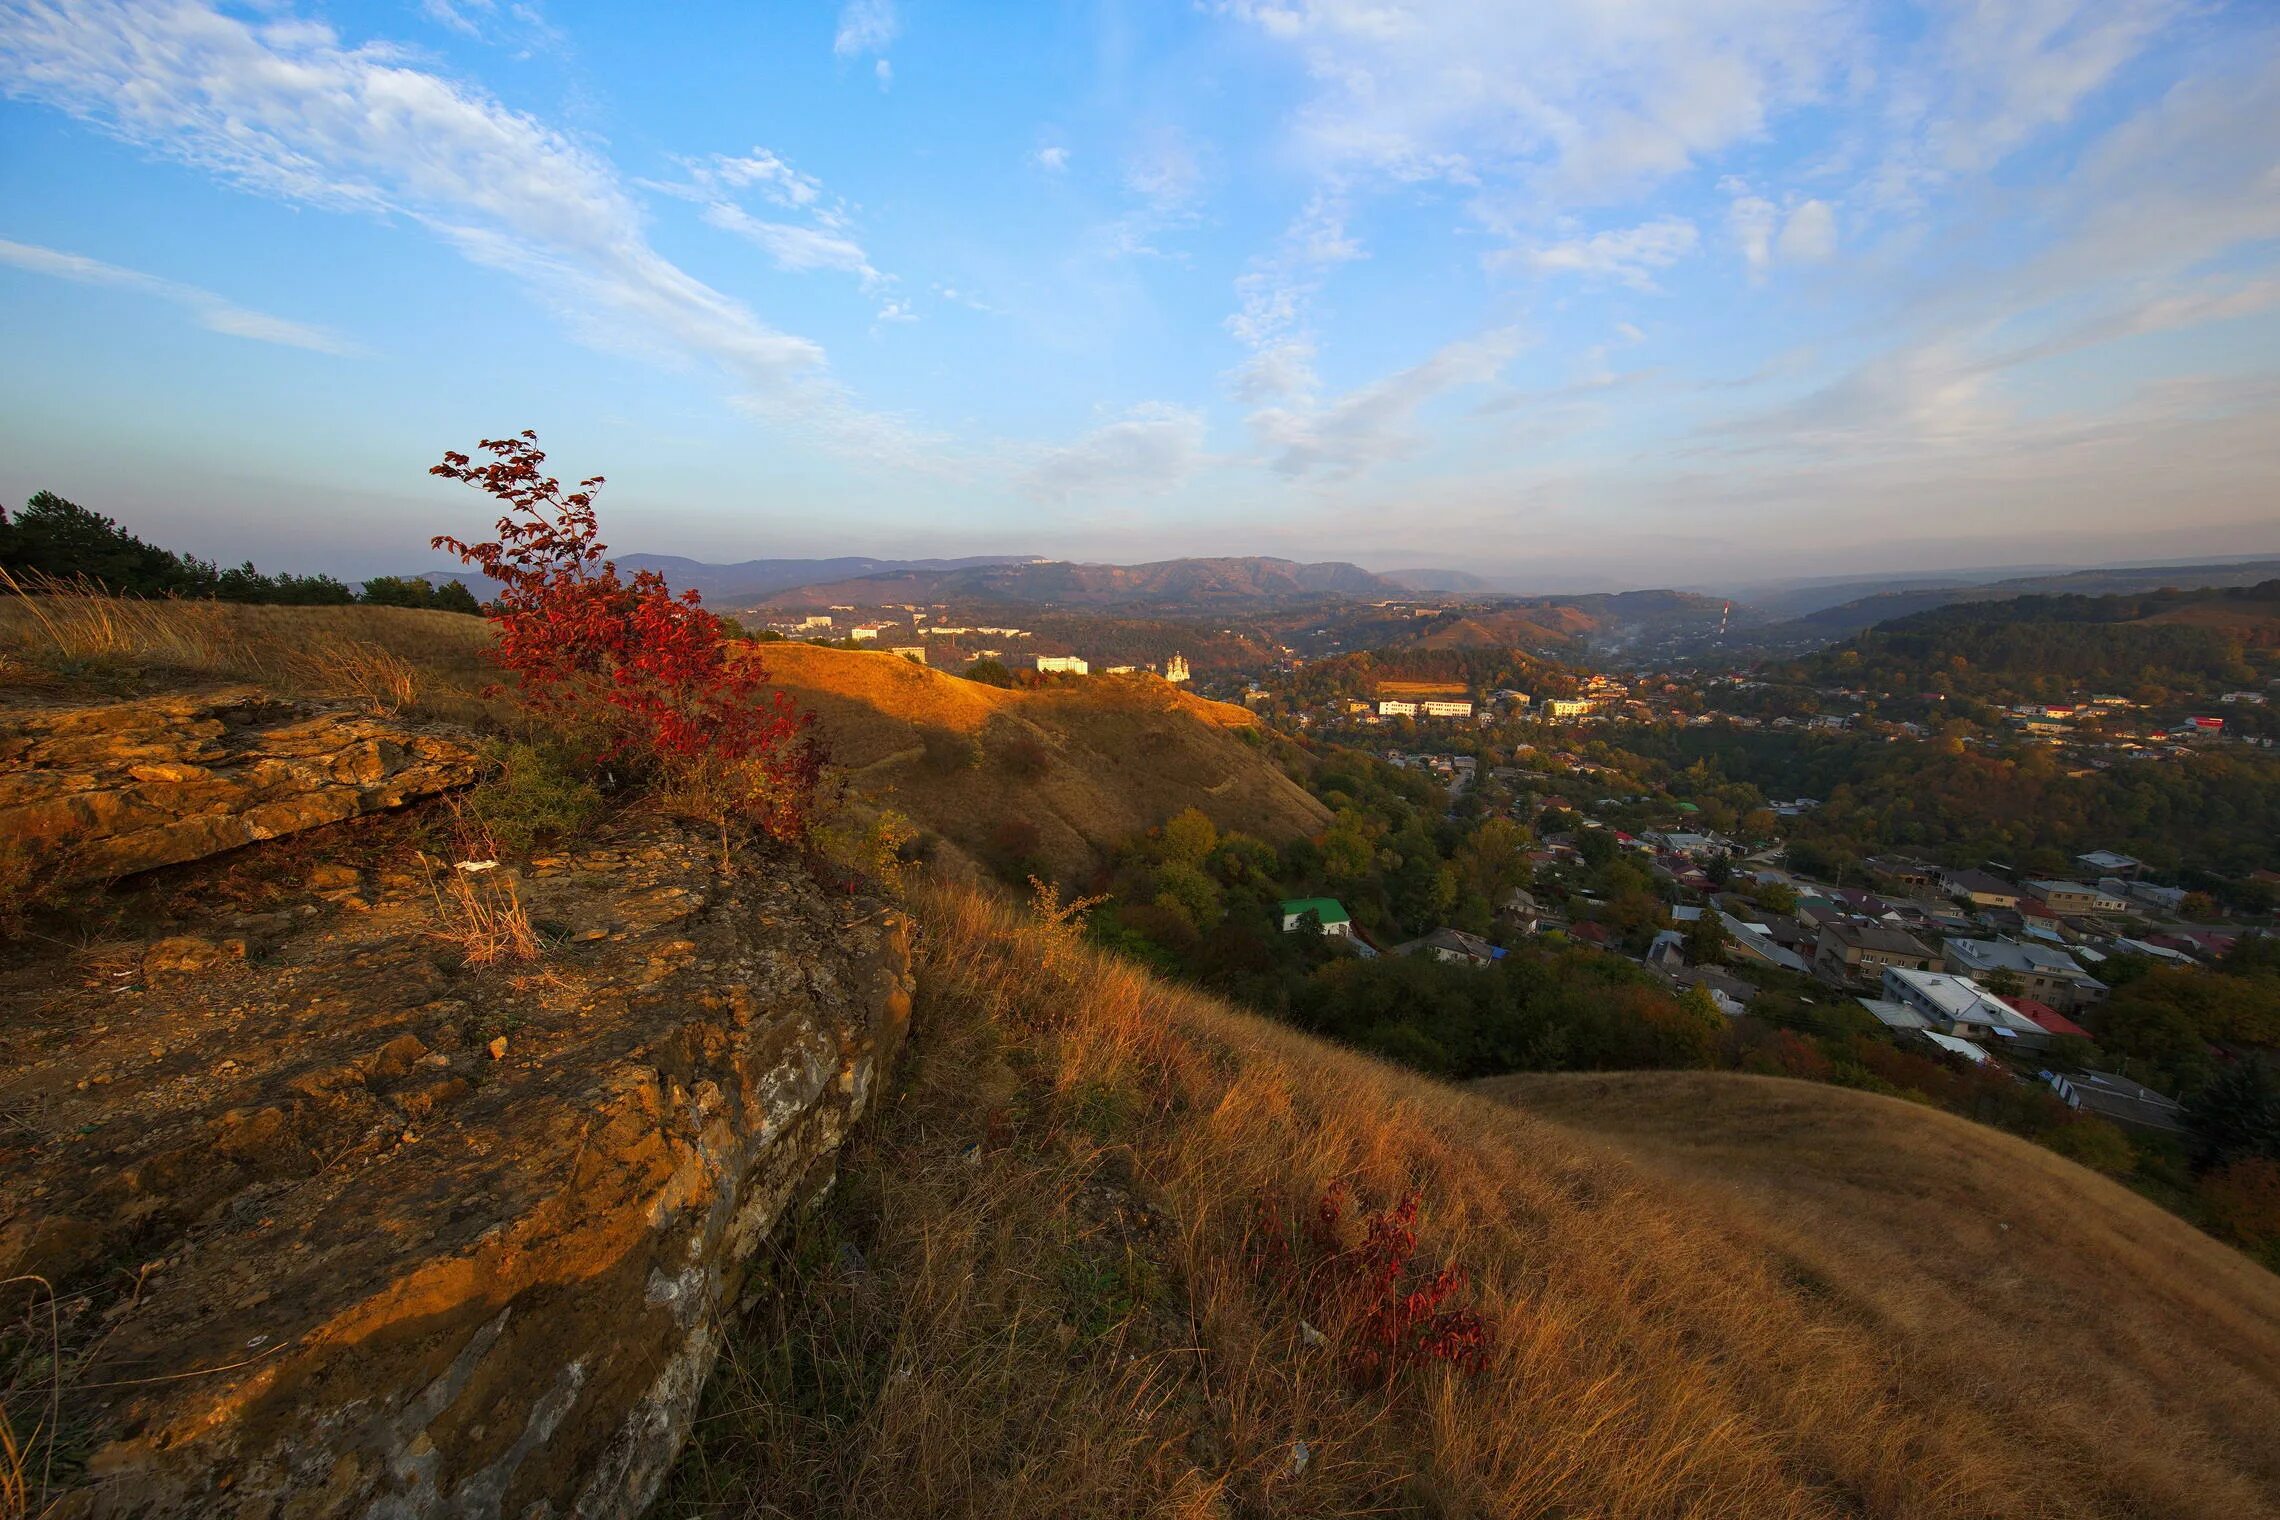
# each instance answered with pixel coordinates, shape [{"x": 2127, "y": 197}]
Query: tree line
[{"x": 53, "y": 540}]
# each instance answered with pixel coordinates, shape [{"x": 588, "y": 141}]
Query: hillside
[
  {"x": 1862, "y": 612},
  {"x": 1548, "y": 624},
  {"x": 2083, "y": 1312},
  {"x": 1044, "y": 1287},
  {"x": 1177, "y": 583},
  {"x": 1061, "y": 774},
  {"x": 2187, "y": 641}
]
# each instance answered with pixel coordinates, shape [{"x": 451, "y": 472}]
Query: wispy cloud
[
  {"x": 1628, "y": 256},
  {"x": 212, "y": 312},
  {"x": 1051, "y": 160},
  {"x": 283, "y": 107},
  {"x": 1151, "y": 449},
  {"x": 866, "y": 26},
  {"x": 1376, "y": 422}
]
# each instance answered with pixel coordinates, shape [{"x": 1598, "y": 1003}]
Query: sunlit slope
[
  {"x": 1059, "y": 1310},
  {"x": 2094, "y": 1320},
  {"x": 1087, "y": 764}
]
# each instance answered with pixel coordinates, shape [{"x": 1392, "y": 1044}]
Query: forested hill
[{"x": 2166, "y": 642}]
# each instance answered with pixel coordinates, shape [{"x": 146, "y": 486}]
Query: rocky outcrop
[
  {"x": 342, "y": 1226},
  {"x": 95, "y": 792}
]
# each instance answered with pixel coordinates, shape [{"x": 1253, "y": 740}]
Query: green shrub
[{"x": 536, "y": 792}]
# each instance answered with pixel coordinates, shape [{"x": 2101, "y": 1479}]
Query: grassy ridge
[
  {"x": 1049, "y": 779},
  {"x": 1033, "y": 1296}
]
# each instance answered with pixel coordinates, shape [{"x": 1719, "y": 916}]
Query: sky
[{"x": 1566, "y": 293}]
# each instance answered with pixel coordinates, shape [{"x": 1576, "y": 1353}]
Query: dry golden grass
[
  {"x": 975, "y": 1327},
  {"x": 1120, "y": 755},
  {"x": 392, "y": 657},
  {"x": 2085, "y": 1312}
]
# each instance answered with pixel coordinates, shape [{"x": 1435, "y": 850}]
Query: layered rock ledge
[
  {"x": 341, "y": 1226},
  {"x": 89, "y": 793}
]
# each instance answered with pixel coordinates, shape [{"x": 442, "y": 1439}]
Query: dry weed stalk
[
  {"x": 1059, "y": 925},
  {"x": 482, "y": 914},
  {"x": 82, "y": 620},
  {"x": 17, "y": 1478},
  {"x": 358, "y": 668},
  {"x": 477, "y": 906}
]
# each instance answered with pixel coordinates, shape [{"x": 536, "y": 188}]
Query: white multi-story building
[
  {"x": 1064, "y": 664},
  {"x": 1395, "y": 709},
  {"x": 1446, "y": 709}
]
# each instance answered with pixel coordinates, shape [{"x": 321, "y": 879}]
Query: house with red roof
[{"x": 2049, "y": 1020}]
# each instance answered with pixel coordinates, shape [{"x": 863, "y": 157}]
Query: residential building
[
  {"x": 1063, "y": 664},
  {"x": 2041, "y": 972},
  {"x": 2118, "y": 1100},
  {"x": 1954, "y": 1005},
  {"x": 818, "y": 622},
  {"x": 1325, "y": 912},
  {"x": 1452, "y": 946},
  {"x": 1391, "y": 708},
  {"x": 1754, "y": 942},
  {"x": 1860, "y": 952},
  {"x": 1441, "y": 709},
  {"x": 2065, "y": 896},
  {"x": 2049, "y": 1020},
  {"x": 865, "y": 633},
  {"x": 1728, "y": 993},
  {"x": 2107, "y": 863},
  {"x": 1980, "y": 888},
  {"x": 2171, "y": 898},
  {"x": 1566, "y": 707},
  {"x": 1893, "y": 1015}
]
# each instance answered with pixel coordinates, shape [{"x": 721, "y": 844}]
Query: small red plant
[
  {"x": 1379, "y": 1310},
  {"x": 644, "y": 676}
]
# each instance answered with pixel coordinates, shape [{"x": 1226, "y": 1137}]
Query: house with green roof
[{"x": 1328, "y": 915}]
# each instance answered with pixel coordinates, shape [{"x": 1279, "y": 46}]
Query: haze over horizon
[{"x": 1670, "y": 294}]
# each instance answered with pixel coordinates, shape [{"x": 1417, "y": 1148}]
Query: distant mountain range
[
  {"x": 1174, "y": 583},
  {"x": 1849, "y": 617},
  {"x": 1193, "y": 584}
]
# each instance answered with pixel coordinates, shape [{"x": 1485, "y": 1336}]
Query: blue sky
[{"x": 1573, "y": 294}]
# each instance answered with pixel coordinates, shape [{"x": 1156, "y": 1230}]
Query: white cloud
[
  {"x": 212, "y": 311},
  {"x": 1163, "y": 170},
  {"x": 795, "y": 248},
  {"x": 1376, "y": 422},
  {"x": 865, "y": 26},
  {"x": 1275, "y": 291},
  {"x": 1582, "y": 102},
  {"x": 1153, "y": 448},
  {"x": 284, "y": 108},
  {"x": 1810, "y": 235},
  {"x": 777, "y": 180},
  {"x": 1051, "y": 160},
  {"x": 1752, "y": 220},
  {"x": 884, "y": 72},
  {"x": 1628, "y": 257},
  {"x": 1989, "y": 78}
]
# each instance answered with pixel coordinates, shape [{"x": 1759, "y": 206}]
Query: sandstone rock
[
  {"x": 105, "y": 791},
  {"x": 334, "y": 878},
  {"x": 185, "y": 953},
  {"x": 398, "y": 1289}
]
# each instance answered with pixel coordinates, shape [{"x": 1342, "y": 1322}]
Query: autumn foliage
[
  {"x": 1381, "y": 1312},
  {"x": 640, "y": 677}
]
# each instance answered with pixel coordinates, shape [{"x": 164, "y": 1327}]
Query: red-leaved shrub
[
  {"x": 641, "y": 677},
  {"x": 1380, "y": 1313}
]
